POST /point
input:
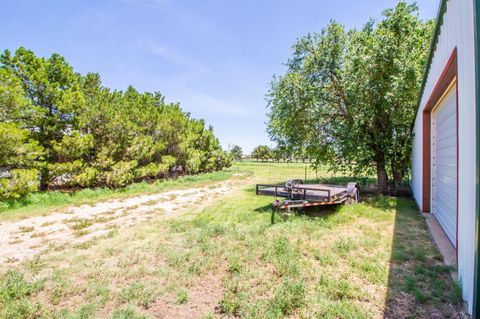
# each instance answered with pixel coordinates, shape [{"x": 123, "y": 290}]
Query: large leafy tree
[
  {"x": 262, "y": 152},
  {"x": 236, "y": 152},
  {"x": 349, "y": 97}
]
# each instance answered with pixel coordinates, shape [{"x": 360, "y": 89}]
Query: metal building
[{"x": 445, "y": 160}]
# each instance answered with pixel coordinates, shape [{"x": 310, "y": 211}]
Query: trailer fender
[{"x": 353, "y": 191}]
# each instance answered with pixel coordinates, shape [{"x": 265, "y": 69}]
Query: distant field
[
  {"x": 279, "y": 172},
  {"x": 270, "y": 172},
  {"x": 217, "y": 255}
]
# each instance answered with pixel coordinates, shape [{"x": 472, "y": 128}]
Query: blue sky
[{"x": 214, "y": 57}]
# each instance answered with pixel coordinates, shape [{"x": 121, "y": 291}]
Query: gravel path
[{"x": 26, "y": 238}]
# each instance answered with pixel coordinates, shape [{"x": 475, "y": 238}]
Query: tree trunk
[
  {"x": 44, "y": 178},
  {"x": 382, "y": 177},
  {"x": 398, "y": 175}
]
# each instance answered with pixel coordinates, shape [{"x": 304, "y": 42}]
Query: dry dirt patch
[
  {"x": 203, "y": 298},
  {"x": 31, "y": 236}
]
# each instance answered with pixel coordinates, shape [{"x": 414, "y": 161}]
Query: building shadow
[{"x": 419, "y": 284}]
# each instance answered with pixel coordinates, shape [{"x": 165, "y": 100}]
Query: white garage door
[{"x": 444, "y": 164}]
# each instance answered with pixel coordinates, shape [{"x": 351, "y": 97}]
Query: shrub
[
  {"x": 87, "y": 178},
  {"x": 151, "y": 170},
  {"x": 209, "y": 164},
  {"x": 62, "y": 173},
  {"x": 169, "y": 161},
  {"x": 22, "y": 182},
  {"x": 4, "y": 188},
  {"x": 17, "y": 149},
  {"x": 121, "y": 175},
  {"x": 220, "y": 159},
  {"x": 73, "y": 147},
  {"x": 142, "y": 149},
  {"x": 193, "y": 163}
]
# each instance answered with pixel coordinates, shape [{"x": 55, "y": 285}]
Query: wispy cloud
[
  {"x": 201, "y": 102},
  {"x": 159, "y": 50},
  {"x": 145, "y": 2},
  {"x": 189, "y": 68},
  {"x": 173, "y": 56}
]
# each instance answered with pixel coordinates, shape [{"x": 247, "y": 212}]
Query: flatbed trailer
[{"x": 295, "y": 194}]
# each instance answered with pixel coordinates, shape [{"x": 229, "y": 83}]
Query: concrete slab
[{"x": 443, "y": 243}]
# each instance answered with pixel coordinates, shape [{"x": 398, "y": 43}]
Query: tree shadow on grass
[
  {"x": 266, "y": 209},
  {"x": 420, "y": 285},
  {"x": 314, "y": 212},
  {"x": 320, "y": 211}
]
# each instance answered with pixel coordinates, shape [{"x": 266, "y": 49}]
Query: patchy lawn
[{"x": 226, "y": 259}]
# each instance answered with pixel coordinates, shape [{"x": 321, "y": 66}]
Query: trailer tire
[{"x": 354, "y": 196}]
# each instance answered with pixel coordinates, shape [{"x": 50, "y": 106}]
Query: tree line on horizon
[
  {"x": 277, "y": 154},
  {"x": 266, "y": 153},
  {"x": 62, "y": 129}
]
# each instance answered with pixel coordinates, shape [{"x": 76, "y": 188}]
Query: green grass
[
  {"x": 182, "y": 296},
  {"x": 279, "y": 172},
  {"x": 126, "y": 314},
  {"x": 15, "y": 295},
  {"x": 227, "y": 259},
  {"x": 425, "y": 278},
  {"x": 139, "y": 294}
]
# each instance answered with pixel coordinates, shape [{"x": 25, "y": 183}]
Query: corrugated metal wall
[
  {"x": 457, "y": 31},
  {"x": 444, "y": 165}
]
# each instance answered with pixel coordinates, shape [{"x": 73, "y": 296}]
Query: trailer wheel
[{"x": 353, "y": 197}]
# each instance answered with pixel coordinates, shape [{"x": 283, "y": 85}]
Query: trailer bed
[
  {"x": 312, "y": 192},
  {"x": 305, "y": 195}
]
